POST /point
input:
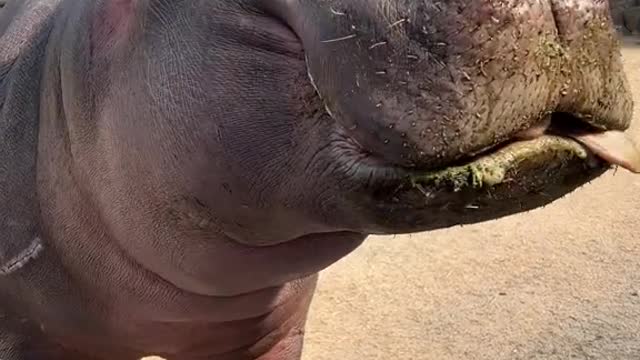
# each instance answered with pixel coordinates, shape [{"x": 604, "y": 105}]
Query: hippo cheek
[{"x": 465, "y": 111}]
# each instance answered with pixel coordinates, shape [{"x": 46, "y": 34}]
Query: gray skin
[{"x": 177, "y": 173}]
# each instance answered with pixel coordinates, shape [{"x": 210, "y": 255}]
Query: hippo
[{"x": 175, "y": 174}]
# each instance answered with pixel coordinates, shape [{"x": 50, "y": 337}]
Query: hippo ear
[{"x": 19, "y": 113}]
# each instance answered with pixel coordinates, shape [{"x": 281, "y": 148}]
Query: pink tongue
[{"x": 615, "y": 147}]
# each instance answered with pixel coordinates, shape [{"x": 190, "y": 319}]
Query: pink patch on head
[{"x": 111, "y": 23}]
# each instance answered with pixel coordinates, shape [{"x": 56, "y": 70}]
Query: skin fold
[{"x": 187, "y": 167}]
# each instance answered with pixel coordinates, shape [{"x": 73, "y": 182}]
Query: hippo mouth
[
  {"x": 551, "y": 142},
  {"x": 536, "y": 167}
]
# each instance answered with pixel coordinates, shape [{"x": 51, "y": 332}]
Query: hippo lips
[
  {"x": 494, "y": 168},
  {"x": 539, "y": 166},
  {"x": 614, "y": 147}
]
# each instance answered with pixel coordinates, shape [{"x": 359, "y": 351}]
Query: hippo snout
[
  {"x": 425, "y": 83},
  {"x": 442, "y": 93}
]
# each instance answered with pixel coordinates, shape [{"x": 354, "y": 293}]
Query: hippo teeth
[{"x": 615, "y": 147}]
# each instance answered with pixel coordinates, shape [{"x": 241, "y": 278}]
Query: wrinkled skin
[{"x": 199, "y": 162}]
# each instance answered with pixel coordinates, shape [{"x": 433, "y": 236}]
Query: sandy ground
[{"x": 560, "y": 282}]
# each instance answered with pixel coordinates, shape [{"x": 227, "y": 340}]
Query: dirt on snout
[{"x": 557, "y": 283}]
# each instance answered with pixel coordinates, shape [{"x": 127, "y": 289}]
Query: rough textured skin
[
  {"x": 176, "y": 173},
  {"x": 475, "y": 52}
]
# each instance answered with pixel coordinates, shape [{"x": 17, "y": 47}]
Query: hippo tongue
[{"x": 615, "y": 147}]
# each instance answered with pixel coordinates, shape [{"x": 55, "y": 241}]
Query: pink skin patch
[
  {"x": 616, "y": 147},
  {"x": 111, "y": 23},
  {"x": 535, "y": 131}
]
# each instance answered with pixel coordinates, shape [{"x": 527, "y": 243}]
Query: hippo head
[{"x": 271, "y": 121}]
